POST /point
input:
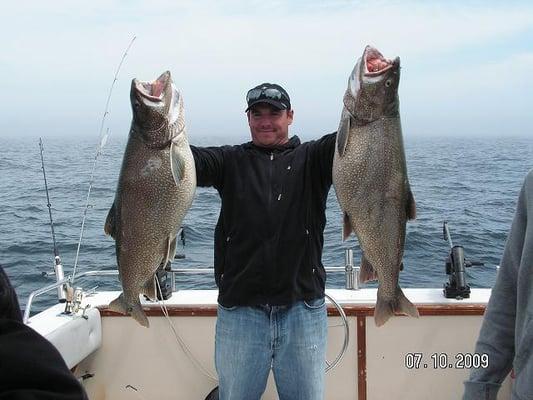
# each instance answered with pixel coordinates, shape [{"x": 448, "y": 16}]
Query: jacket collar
[{"x": 293, "y": 142}]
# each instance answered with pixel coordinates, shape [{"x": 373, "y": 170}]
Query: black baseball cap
[{"x": 269, "y": 93}]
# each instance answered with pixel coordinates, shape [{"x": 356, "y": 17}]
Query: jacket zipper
[
  {"x": 271, "y": 166},
  {"x": 269, "y": 226}
]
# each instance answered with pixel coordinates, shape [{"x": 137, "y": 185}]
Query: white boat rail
[{"x": 352, "y": 281}]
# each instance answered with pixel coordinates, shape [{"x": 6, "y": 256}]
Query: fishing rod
[
  {"x": 101, "y": 144},
  {"x": 41, "y": 146},
  {"x": 58, "y": 268}
]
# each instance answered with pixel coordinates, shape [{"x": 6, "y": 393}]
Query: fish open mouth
[
  {"x": 375, "y": 63},
  {"x": 153, "y": 90}
]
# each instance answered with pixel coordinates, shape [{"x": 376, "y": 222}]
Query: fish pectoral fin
[
  {"x": 177, "y": 164},
  {"x": 109, "y": 226},
  {"x": 172, "y": 248},
  {"x": 367, "y": 272},
  {"x": 342, "y": 133},
  {"x": 170, "y": 251},
  {"x": 346, "y": 227},
  {"x": 411, "y": 206}
]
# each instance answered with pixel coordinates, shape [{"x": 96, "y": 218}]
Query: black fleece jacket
[
  {"x": 31, "y": 368},
  {"x": 269, "y": 234}
]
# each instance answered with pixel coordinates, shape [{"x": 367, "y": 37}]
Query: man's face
[{"x": 269, "y": 126}]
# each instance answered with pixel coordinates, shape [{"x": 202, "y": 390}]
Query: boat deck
[{"x": 422, "y": 358}]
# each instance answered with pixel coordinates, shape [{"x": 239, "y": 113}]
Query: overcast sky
[{"x": 466, "y": 66}]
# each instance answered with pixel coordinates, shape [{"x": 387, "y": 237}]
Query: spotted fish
[
  {"x": 370, "y": 177},
  {"x": 155, "y": 189}
]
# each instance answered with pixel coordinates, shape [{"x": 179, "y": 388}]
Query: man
[
  {"x": 31, "y": 368},
  {"x": 268, "y": 248},
  {"x": 507, "y": 331}
]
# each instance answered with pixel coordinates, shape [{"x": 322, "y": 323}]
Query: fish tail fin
[
  {"x": 135, "y": 310},
  {"x": 387, "y": 308},
  {"x": 383, "y": 311},
  {"x": 119, "y": 305},
  {"x": 346, "y": 227},
  {"x": 404, "y": 306},
  {"x": 138, "y": 314}
]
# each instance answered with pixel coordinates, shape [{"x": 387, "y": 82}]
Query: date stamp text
[{"x": 446, "y": 361}]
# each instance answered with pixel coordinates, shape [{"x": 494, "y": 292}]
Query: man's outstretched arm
[{"x": 209, "y": 163}]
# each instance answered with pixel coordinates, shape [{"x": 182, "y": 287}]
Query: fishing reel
[{"x": 456, "y": 263}]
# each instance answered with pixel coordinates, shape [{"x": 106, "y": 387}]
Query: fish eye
[{"x": 388, "y": 82}]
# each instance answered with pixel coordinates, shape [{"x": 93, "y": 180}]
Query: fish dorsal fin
[
  {"x": 109, "y": 226},
  {"x": 177, "y": 163},
  {"x": 411, "y": 206},
  {"x": 343, "y": 132}
]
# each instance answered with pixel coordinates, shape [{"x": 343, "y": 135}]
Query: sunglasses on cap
[{"x": 269, "y": 93}]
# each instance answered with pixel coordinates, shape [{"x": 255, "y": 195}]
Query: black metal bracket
[{"x": 456, "y": 264}]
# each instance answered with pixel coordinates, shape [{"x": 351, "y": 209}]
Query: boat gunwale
[{"x": 349, "y": 309}]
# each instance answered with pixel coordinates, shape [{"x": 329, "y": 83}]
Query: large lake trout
[
  {"x": 370, "y": 178},
  {"x": 155, "y": 189}
]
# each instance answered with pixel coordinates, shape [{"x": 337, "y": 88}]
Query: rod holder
[
  {"x": 456, "y": 264},
  {"x": 351, "y": 273},
  {"x": 60, "y": 275}
]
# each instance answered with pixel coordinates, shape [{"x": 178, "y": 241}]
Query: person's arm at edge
[
  {"x": 497, "y": 334},
  {"x": 209, "y": 164},
  {"x": 324, "y": 149}
]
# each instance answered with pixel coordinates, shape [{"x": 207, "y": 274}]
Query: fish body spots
[{"x": 152, "y": 165}]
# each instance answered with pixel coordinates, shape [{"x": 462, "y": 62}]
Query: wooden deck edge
[{"x": 350, "y": 310}]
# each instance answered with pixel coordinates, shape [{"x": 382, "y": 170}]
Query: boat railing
[
  {"x": 40, "y": 291},
  {"x": 74, "y": 296},
  {"x": 65, "y": 284}
]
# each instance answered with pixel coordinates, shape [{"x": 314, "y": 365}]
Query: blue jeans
[{"x": 289, "y": 339}]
